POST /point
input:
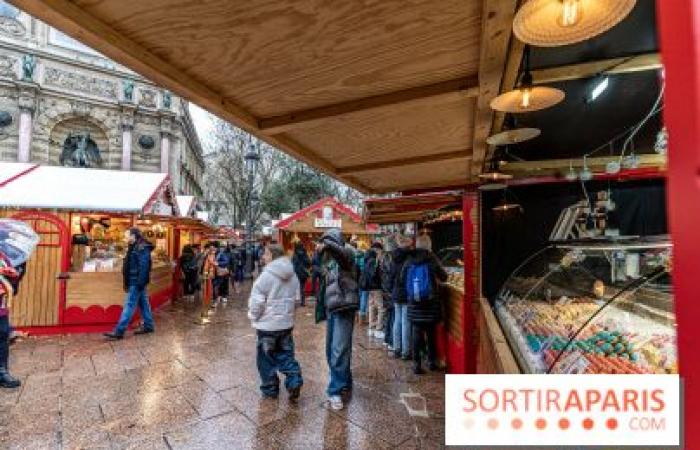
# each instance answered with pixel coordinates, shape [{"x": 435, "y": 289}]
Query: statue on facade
[
  {"x": 79, "y": 150},
  {"x": 28, "y": 66},
  {"x": 128, "y": 90},
  {"x": 167, "y": 100}
]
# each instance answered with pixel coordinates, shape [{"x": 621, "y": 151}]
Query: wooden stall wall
[{"x": 41, "y": 295}]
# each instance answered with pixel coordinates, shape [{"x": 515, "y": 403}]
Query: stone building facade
[{"x": 62, "y": 103}]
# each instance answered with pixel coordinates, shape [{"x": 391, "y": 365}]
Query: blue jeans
[
  {"x": 339, "y": 350},
  {"x": 364, "y": 300},
  {"x": 402, "y": 330},
  {"x": 276, "y": 353},
  {"x": 135, "y": 298}
]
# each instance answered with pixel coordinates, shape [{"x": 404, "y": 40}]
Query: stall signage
[
  {"x": 563, "y": 410},
  {"x": 328, "y": 223}
]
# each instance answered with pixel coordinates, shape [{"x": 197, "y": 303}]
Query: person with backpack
[
  {"x": 190, "y": 270},
  {"x": 401, "y": 328},
  {"x": 271, "y": 311},
  {"x": 337, "y": 304},
  {"x": 238, "y": 267},
  {"x": 301, "y": 263},
  {"x": 371, "y": 282},
  {"x": 419, "y": 282}
]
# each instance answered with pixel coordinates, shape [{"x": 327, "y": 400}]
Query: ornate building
[{"x": 62, "y": 103}]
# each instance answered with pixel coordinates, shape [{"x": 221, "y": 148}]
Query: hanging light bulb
[
  {"x": 550, "y": 23},
  {"x": 571, "y": 175},
  {"x": 586, "y": 173},
  {"x": 527, "y": 97},
  {"x": 570, "y": 13}
]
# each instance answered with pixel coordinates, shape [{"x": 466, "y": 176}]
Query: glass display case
[{"x": 592, "y": 307}]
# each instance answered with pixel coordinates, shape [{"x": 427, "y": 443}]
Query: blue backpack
[{"x": 419, "y": 283}]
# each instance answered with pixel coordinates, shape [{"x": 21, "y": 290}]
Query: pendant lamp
[
  {"x": 515, "y": 136},
  {"x": 551, "y": 23},
  {"x": 506, "y": 205},
  {"x": 527, "y": 98},
  {"x": 494, "y": 173}
]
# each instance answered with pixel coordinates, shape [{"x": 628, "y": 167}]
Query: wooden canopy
[
  {"x": 308, "y": 220},
  {"x": 387, "y": 95},
  {"x": 410, "y": 208}
]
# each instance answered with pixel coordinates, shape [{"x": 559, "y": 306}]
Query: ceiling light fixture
[
  {"x": 600, "y": 84},
  {"x": 586, "y": 173},
  {"x": 551, "y": 23},
  {"x": 505, "y": 205},
  {"x": 571, "y": 175},
  {"x": 494, "y": 173},
  {"x": 515, "y": 136},
  {"x": 526, "y": 97}
]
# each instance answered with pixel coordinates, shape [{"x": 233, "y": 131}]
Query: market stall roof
[
  {"x": 385, "y": 96},
  {"x": 410, "y": 208},
  {"x": 185, "y": 203},
  {"x": 9, "y": 172},
  {"x": 306, "y": 220},
  {"x": 53, "y": 187}
]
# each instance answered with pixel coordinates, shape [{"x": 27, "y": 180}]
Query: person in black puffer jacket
[
  {"x": 424, "y": 315},
  {"x": 401, "y": 328}
]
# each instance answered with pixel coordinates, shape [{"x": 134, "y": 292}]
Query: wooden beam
[
  {"x": 497, "y": 20},
  {"x": 424, "y": 159},
  {"x": 433, "y": 186},
  {"x": 639, "y": 63},
  {"x": 446, "y": 91},
  {"x": 66, "y": 16},
  {"x": 510, "y": 79},
  {"x": 646, "y": 160}
]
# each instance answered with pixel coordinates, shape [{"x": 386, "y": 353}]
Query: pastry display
[{"x": 579, "y": 318}]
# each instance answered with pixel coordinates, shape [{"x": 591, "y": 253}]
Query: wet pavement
[{"x": 191, "y": 386}]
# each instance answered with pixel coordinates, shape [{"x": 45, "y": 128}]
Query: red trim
[
  {"x": 64, "y": 242},
  {"x": 679, "y": 23},
  {"x": 469, "y": 324},
  {"x": 18, "y": 175},
  {"x": 318, "y": 206},
  {"x": 624, "y": 175}
]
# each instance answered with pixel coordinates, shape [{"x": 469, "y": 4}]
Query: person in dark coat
[
  {"x": 316, "y": 271},
  {"x": 238, "y": 257},
  {"x": 221, "y": 279},
  {"x": 190, "y": 271},
  {"x": 136, "y": 273},
  {"x": 401, "y": 328},
  {"x": 10, "y": 278},
  {"x": 339, "y": 288},
  {"x": 301, "y": 263},
  {"x": 424, "y": 315}
]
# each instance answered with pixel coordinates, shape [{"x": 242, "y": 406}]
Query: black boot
[
  {"x": 417, "y": 369},
  {"x": 7, "y": 380}
]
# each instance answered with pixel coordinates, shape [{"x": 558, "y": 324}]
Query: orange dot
[
  {"x": 517, "y": 424},
  {"x": 564, "y": 424},
  {"x": 541, "y": 424},
  {"x": 588, "y": 424},
  {"x": 493, "y": 423},
  {"x": 611, "y": 424}
]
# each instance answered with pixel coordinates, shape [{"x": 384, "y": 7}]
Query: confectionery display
[{"x": 580, "y": 316}]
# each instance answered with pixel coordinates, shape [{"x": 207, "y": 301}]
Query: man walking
[{"x": 137, "y": 274}]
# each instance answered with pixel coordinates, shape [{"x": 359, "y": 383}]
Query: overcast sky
[{"x": 203, "y": 122}]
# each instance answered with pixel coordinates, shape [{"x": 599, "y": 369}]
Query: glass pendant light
[
  {"x": 506, "y": 205},
  {"x": 551, "y": 23}
]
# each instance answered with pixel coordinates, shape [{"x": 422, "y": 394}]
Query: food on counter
[{"x": 456, "y": 280}]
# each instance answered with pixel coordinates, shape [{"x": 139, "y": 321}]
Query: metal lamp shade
[
  {"x": 551, "y": 23},
  {"x": 515, "y": 136},
  {"x": 540, "y": 98}
]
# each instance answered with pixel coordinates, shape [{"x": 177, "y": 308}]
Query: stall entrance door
[{"x": 39, "y": 301}]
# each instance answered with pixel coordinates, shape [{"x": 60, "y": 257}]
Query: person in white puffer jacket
[{"x": 271, "y": 311}]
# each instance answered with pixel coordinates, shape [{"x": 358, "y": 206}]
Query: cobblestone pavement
[{"x": 191, "y": 386}]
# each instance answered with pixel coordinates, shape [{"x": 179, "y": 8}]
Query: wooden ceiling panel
[
  {"x": 418, "y": 176},
  {"x": 274, "y": 57},
  {"x": 403, "y": 131}
]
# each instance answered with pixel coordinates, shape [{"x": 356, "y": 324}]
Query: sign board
[{"x": 328, "y": 223}]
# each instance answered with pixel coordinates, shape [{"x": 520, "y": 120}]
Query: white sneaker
[
  {"x": 378, "y": 334},
  {"x": 370, "y": 332},
  {"x": 335, "y": 402}
]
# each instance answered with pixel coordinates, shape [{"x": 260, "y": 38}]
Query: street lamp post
[{"x": 252, "y": 157}]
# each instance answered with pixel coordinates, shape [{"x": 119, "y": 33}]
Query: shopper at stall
[
  {"x": 387, "y": 270},
  {"x": 401, "y": 328},
  {"x": 9, "y": 287},
  {"x": 222, "y": 274},
  {"x": 136, "y": 271},
  {"x": 301, "y": 263},
  {"x": 190, "y": 272},
  {"x": 419, "y": 284},
  {"x": 338, "y": 303},
  {"x": 238, "y": 261},
  {"x": 359, "y": 267},
  {"x": 208, "y": 272},
  {"x": 316, "y": 271},
  {"x": 371, "y": 282},
  {"x": 271, "y": 311}
]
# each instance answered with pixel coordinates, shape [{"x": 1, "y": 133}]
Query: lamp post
[{"x": 252, "y": 158}]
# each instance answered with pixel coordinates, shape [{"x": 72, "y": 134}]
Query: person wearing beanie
[{"x": 136, "y": 273}]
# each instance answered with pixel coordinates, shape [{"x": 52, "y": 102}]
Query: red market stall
[
  {"x": 74, "y": 281},
  {"x": 308, "y": 224}
]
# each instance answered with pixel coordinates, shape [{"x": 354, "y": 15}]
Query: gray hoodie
[{"x": 271, "y": 303}]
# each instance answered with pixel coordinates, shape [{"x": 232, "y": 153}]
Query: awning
[
  {"x": 410, "y": 208},
  {"x": 63, "y": 188},
  {"x": 385, "y": 95}
]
